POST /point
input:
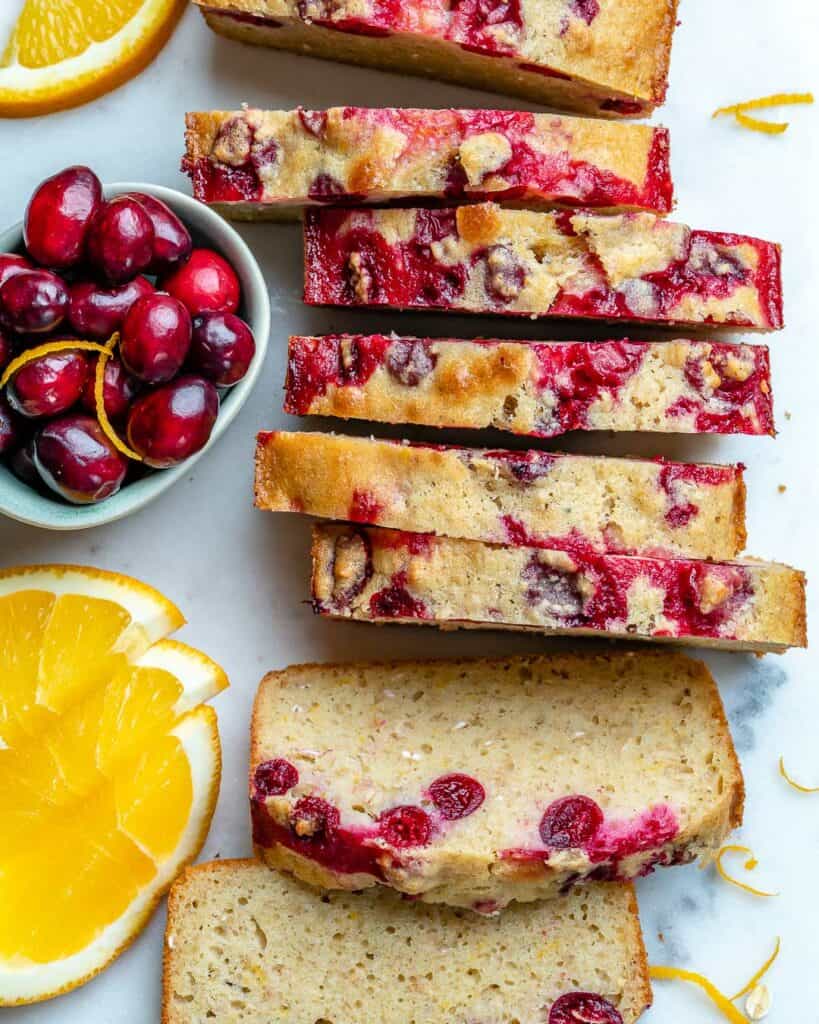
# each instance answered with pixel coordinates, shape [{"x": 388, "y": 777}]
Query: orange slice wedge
[
  {"x": 109, "y": 769},
  {"x": 65, "y": 52}
]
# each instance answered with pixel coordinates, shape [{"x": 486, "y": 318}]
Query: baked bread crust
[
  {"x": 542, "y": 499},
  {"x": 244, "y": 943},
  {"x": 374, "y": 575},
  {"x": 365, "y": 739},
  {"x": 268, "y": 164},
  {"x": 608, "y": 59},
  {"x": 632, "y": 267},
  {"x": 536, "y": 389}
]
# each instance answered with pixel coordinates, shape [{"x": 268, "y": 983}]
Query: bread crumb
[
  {"x": 782, "y": 488},
  {"x": 787, "y": 415}
]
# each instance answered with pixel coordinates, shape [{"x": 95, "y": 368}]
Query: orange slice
[
  {"x": 66, "y": 52},
  {"x": 109, "y": 769}
]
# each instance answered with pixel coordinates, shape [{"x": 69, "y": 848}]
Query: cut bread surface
[
  {"x": 268, "y": 164},
  {"x": 475, "y": 783},
  {"x": 487, "y": 259},
  {"x": 527, "y": 497},
  {"x": 251, "y": 946},
  {"x": 609, "y": 59},
  {"x": 538, "y": 389},
  {"x": 377, "y": 575}
]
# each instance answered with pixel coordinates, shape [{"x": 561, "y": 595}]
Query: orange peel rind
[
  {"x": 760, "y": 974},
  {"x": 792, "y": 782},
  {"x": 719, "y": 999},
  {"x": 750, "y": 865},
  {"x": 756, "y": 124},
  {"x": 46, "y": 350},
  {"x": 99, "y": 401}
]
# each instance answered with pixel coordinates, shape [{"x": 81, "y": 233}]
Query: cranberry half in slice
[
  {"x": 588, "y": 1007},
  {"x": 274, "y": 778},
  {"x": 405, "y": 826},
  {"x": 570, "y": 823},
  {"x": 457, "y": 795}
]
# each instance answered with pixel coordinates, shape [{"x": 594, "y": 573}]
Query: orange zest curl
[
  {"x": 750, "y": 865},
  {"x": 792, "y": 782},
  {"x": 99, "y": 401},
  {"x": 46, "y": 350},
  {"x": 760, "y": 974},
  {"x": 721, "y": 1001},
  {"x": 756, "y": 124}
]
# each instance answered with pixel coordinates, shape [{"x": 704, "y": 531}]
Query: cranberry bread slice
[
  {"x": 268, "y": 164},
  {"x": 631, "y": 267},
  {"x": 608, "y": 58},
  {"x": 542, "y": 499},
  {"x": 475, "y": 783},
  {"x": 243, "y": 943},
  {"x": 376, "y": 575},
  {"x": 539, "y": 389}
]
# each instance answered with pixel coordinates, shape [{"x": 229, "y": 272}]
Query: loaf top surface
[
  {"x": 622, "y": 45},
  {"x": 249, "y": 945}
]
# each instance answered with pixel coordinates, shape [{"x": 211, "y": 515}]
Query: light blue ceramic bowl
[{"x": 20, "y": 502}]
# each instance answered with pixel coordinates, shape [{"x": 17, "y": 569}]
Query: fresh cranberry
[
  {"x": 314, "y": 819},
  {"x": 405, "y": 826},
  {"x": 222, "y": 348},
  {"x": 11, "y": 264},
  {"x": 588, "y": 1007},
  {"x": 119, "y": 389},
  {"x": 76, "y": 459},
  {"x": 172, "y": 240},
  {"x": 456, "y": 796},
  {"x": 156, "y": 336},
  {"x": 173, "y": 422},
  {"x": 22, "y": 465},
  {"x": 120, "y": 240},
  {"x": 6, "y": 350},
  {"x": 49, "y": 384},
  {"x": 11, "y": 429},
  {"x": 409, "y": 362},
  {"x": 33, "y": 301},
  {"x": 96, "y": 313},
  {"x": 206, "y": 284},
  {"x": 570, "y": 822},
  {"x": 58, "y": 216},
  {"x": 273, "y": 778}
]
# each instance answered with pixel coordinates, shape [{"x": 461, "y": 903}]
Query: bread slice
[
  {"x": 245, "y": 945},
  {"x": 534, "y": 388},
  {"x": 475, "y": 783},
  {"x": 599, "y": 58},
  {"x": 376, "y": 575},
  {"x": 487, "y": 259},
  {"x": 505, "y": 497},
  {"x": 268, "y": 164}
]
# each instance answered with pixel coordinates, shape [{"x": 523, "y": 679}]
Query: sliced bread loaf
[
  {"x": 377, "y": 575},
  {"x": 534, "y": 388},
  {"x": 250, "y": 946},
  {"x": 542, "y": 499},
  {"x": 475, "y": 783}
]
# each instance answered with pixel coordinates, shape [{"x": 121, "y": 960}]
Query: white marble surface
[{"x": 240, "y": 576}]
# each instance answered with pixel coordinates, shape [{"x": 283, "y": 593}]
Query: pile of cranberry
[{"x": 85, "y": 276}]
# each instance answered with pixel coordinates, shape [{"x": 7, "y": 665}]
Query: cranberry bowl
[{"x": 172, "y": 355}]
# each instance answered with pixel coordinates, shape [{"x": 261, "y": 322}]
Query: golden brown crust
[{"x": 622, "y": 55}]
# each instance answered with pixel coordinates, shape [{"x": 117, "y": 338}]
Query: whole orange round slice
[
  {"x": 109, "y": 769},
  {"x": 65, "y": 52}
]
